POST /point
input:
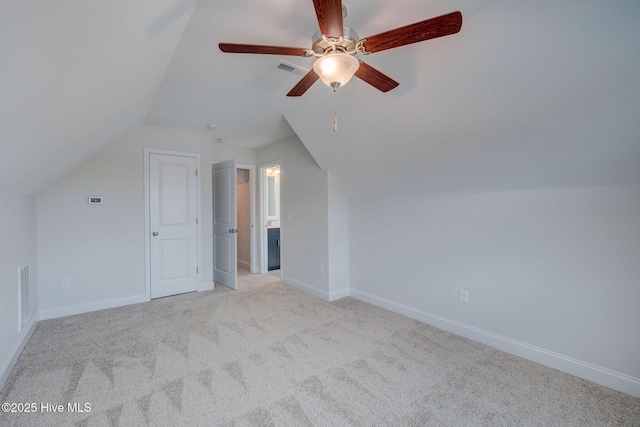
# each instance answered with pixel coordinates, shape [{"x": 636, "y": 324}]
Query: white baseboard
[
  {"x": 334, "y": 295},
  {"x": 603, "y": 376},
  {"x": 70, "y": 310},
  {"x": 307, "y": 288},
  {"x": 205, "y": 286},
  {"x": 16, "y": 351},
  {"x": 327, "y": 296},
  {"x": 245, "y": 264}
]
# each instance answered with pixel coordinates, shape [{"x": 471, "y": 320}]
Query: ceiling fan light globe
[
  {"x": 336, "y": 69},
  {"x": 329, "y": 66}
]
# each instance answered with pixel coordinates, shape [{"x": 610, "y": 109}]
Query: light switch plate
[{"x": 464, "y": 296}]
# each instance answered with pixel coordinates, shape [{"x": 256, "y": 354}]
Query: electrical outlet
[
  {"x": 66, "y": 282},
  {"x": 321, "y": 270},
  {"x": 289, "y": 217},
  {"x": 464, "y": 296}
]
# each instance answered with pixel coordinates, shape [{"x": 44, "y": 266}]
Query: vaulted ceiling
[{"x": 527, "y": 95}]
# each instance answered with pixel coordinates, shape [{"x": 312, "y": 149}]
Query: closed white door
[
  {"x": 173, "y": 202},
  {"x": 225, "y": 251}
]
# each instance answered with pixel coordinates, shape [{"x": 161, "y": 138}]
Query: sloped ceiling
[
  {"x": 74, "y": 74},
  {"x": 528, "y": 94}
]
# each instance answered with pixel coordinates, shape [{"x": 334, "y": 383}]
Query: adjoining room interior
[
  {"x": 454, "y": 228},
  {"x": 273, "y": 215},
  {"x": 243, "y": 186}
]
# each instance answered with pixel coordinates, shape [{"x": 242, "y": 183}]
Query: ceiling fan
[{"x": 335, "y": 47}]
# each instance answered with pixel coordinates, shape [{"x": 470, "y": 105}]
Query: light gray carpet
[{"x": 269, "y": 355}]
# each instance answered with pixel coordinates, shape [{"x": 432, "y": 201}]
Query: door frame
[
  {"x": 262, "y": 208},
  {"x": 147, "y": 211}
]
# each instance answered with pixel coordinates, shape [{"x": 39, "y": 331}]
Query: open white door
[
  {"x": 225, "y": 254},
  {"x": 173, "y": 201}
]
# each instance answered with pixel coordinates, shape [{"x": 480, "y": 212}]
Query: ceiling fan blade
[
  {"x": 375, "y": 78},
  {"x": 266, "y": 50},
  {"x": 329, "y": 13},
  {"x": 430, "y": 29},
  {"x": 307, "y": 81}
]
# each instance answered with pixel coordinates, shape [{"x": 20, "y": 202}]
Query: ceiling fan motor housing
[{"x": 346, "y": 44}]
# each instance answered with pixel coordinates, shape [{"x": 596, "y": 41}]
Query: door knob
[{"x": 155, "y": 233}]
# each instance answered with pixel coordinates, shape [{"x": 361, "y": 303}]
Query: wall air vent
[
  {"x": 23, "y": 296},
  {"x": 289, "y": 68}
]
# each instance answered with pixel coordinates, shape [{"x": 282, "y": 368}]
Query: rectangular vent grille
[
  {"x": 23, "y": 296},
  {"x": 288, "y": 68}
]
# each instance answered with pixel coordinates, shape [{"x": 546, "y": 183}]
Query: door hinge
[
  {"x": 196, "y": 221},
  {"x": 196, "y": 172},
  {"x": 196, "y": 270}
]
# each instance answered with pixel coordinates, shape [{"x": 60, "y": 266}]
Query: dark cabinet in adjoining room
[{"x": 273, "y": 248}]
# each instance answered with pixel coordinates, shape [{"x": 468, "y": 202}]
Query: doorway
[
  {"x": 244, "y": 197},
  {"x": 271, "y": 218}
]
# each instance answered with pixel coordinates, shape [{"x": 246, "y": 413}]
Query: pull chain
[{"x": 335, "y": 111}]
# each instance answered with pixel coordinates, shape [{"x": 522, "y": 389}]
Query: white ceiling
[
  {"x": 74, "y": 74},
  {"x": 528, "y": 95}
]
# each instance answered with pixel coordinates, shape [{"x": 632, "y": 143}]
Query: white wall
[
  {"x": 338, "y": 217},
  {"x": 101, "y": 247},
  {"x": 17, "y": 247},
  {"x": 554, "y": 269},
  {"x": 303, "y": 194}
]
